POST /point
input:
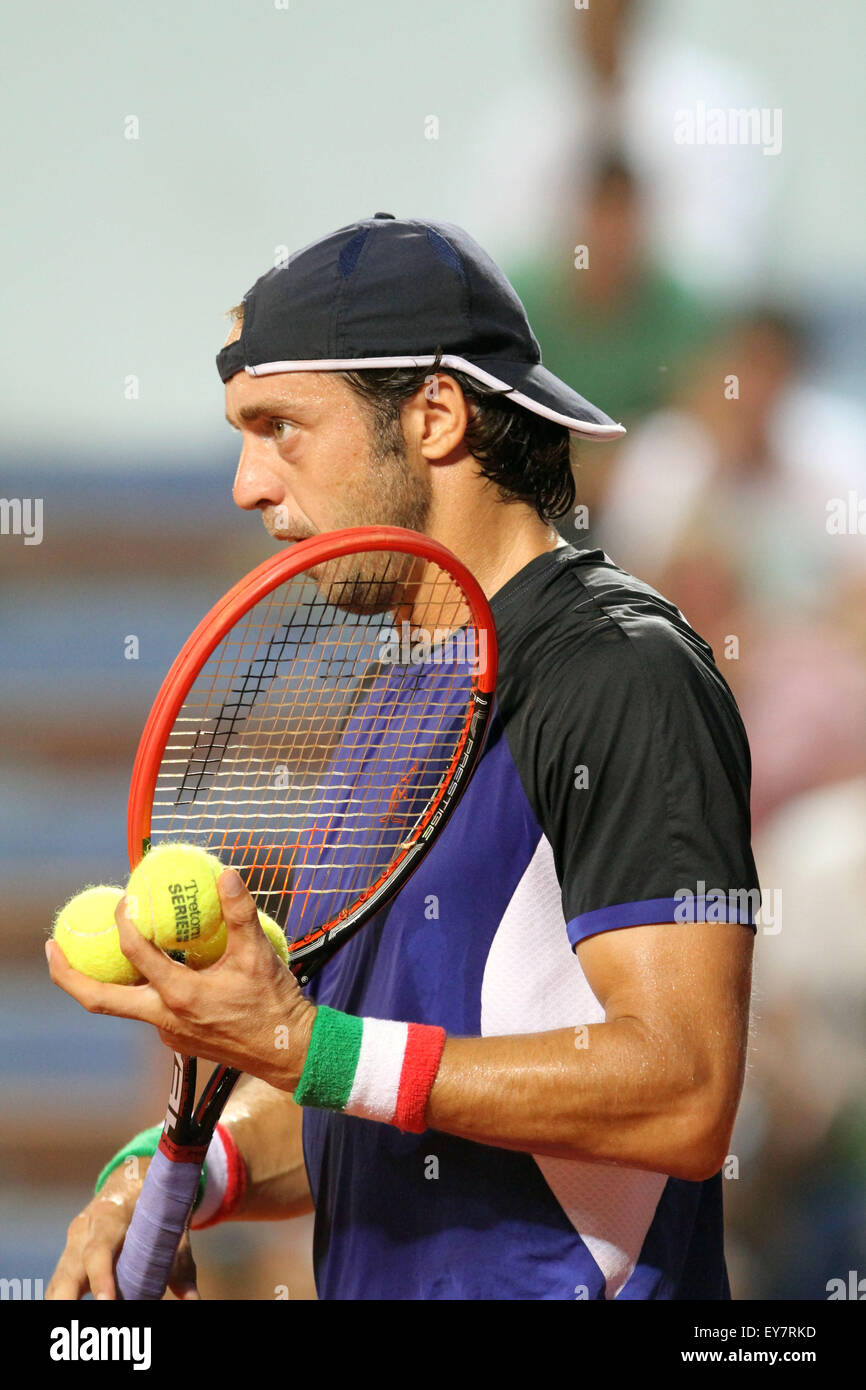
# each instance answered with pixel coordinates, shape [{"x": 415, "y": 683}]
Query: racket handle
[{"x": 158, "y": 1223}]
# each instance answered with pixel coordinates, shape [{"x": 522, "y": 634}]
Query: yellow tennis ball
[
  {"x": 275, "y": 934},
  {"x": 173, "y": 900},
  {"x": 86, "y": 933},
  {"x": 204, "y": 954}
]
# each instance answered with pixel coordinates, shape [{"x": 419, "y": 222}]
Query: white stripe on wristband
[
  {"x": 225, "y": 1180},
  {"x": 373, "y": 1068},
  {"x": 376, "y": 1082}
]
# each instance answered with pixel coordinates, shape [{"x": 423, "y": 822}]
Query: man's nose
[{"x": 256, "y": 483}]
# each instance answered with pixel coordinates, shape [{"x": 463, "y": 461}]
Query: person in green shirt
[{"x": 603, "y": 313}]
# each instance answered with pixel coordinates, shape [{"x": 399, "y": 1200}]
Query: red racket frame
[{"x": 235, "y": 604}]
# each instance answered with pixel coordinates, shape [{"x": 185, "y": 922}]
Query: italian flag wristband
[
  {"x": 143, "y": 1145},
  {"x": 222, "y": 1181},
  {"x": 371, "y": 1067},
  {"x": 225, "y": 1181}
]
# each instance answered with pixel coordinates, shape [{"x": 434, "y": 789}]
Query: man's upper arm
[
  {"x": 644, "y": 794},
  {"x": 687, "y": 984}
]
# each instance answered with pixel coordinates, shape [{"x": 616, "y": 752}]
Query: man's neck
[{"x": 495, "y": 550}]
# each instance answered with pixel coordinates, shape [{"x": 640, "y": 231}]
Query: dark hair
[{"x": 527, "y": 457}]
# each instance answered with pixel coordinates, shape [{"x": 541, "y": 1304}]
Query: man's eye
[{"x": 279, "y": 426}]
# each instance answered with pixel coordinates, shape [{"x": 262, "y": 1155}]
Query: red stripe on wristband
[
  {"x": 237, "y": 1174},
  {"x": 420, "y": 1064},
  {"x": 236, "y": 1179}
]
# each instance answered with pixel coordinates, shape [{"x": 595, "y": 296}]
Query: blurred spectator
[
  {"x": 721, "y": 501},
  {"x": 619, "y": 75},
  {"x": 608, "y": 319},
  {"x": 797, "y": 1214},
  {"x": 750, "y": 453}
]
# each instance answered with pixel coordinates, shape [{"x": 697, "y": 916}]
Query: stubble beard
[{"x": 388, "y": 493}]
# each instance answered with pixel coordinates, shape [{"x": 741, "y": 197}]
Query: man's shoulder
[{"x": 573, "y": 619}]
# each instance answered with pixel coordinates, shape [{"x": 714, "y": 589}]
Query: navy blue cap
[{"x": 391, "y": 293}]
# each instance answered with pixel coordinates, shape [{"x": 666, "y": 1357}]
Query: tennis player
[{"x": 574, "y": 955}]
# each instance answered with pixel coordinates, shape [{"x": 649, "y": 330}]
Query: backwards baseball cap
[{"x": 392, "y": 293}]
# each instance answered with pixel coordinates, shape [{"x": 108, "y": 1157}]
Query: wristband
[
  {"x": 225, "y": 1184},
  {"x": 144, "y": 1145},
  {"x": 371, "y": 1068}
]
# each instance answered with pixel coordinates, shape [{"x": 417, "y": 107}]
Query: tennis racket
[{"x": 315, "y": 733}]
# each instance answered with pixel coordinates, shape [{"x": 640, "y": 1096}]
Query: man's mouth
[
  {"x": 288, "y": 537},
  {"x": 282, "y": 532}
]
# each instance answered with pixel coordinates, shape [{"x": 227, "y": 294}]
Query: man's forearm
[
  {"x": 606, "y": 1092},
  {"x": 266, "y": 1126}
]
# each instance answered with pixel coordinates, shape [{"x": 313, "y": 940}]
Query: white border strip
[
  {"x": 459, "y": 364},
  {"x": 216, "y": 1183}
]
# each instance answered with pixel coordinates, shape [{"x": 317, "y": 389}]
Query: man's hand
[
  {"x": 245, "y": 1011},
  {"x": 95, "y": 1238}
]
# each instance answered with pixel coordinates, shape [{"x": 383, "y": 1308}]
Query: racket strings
[{"x": 313, "y": 743}]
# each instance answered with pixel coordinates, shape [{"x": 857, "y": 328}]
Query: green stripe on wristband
[
  {"x": 332, "y": 1060},
  {"x": 144, "y": 1145}
]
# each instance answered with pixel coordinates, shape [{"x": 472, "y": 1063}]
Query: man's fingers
[
  {"x": 99, "y": 1267},
  {"x": 65, "y": 1286},
  {"x": 187, "y": 1293},
  {"x": 239, "y": 908},
  {"x": 147, "y": 958},
  {"x": 167, "y": 991},
  {"x": 182, "y": 1281},
  {"x": 120, "y": 1001},
  {"x": 87, "y": 1262}
]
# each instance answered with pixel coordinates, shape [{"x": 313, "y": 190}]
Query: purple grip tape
[{"x": 158, "y": 1222}]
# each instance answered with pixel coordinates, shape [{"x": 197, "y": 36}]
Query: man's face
[{"x": 310, "y": 463}]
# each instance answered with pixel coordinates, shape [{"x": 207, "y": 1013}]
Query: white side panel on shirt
[{"x": 533, "y": 983}]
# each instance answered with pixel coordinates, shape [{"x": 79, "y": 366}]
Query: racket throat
[{"x": 179, "y": 1131}]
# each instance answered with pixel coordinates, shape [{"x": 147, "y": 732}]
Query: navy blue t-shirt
[{"x": 614, "y": 784}]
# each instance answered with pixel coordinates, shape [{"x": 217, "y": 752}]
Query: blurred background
[{"x": 676, "y": 189}]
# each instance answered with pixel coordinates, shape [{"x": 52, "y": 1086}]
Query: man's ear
[{"x": 438, "y": 413}]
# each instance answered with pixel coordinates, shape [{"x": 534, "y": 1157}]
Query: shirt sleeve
[{"x": 636, "y": 762}]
